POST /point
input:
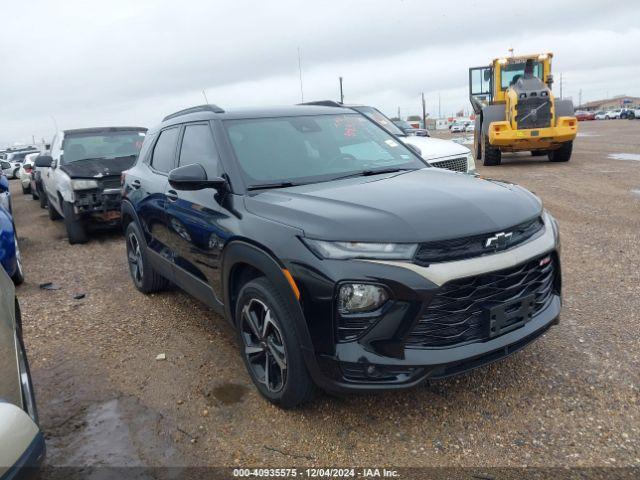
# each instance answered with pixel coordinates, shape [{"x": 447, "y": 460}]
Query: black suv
[{"x": 339, "y": 256}]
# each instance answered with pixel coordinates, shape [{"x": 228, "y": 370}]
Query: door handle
[
  {"x": 172, "y": 195},
  {"x": 136, "y": 184}
]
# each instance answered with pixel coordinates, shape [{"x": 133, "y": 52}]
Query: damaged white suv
[{"x": 81, "y": 177}]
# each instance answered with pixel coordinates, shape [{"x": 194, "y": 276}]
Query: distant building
[{"x": 619, "y": 101}]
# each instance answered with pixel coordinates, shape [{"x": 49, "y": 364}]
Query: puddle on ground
[
  {"x": 625, "y": 156},
  {"x": 588, "y": 134},
  {"x": 463, "y": 140},
  {"x": 229, "y": 393},
  {"x": 636, "y": 192}
]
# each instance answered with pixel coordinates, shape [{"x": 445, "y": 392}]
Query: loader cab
[{"x": 507, "y": 71}]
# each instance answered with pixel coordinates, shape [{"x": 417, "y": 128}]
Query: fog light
[{"x": 360, "y": 297}]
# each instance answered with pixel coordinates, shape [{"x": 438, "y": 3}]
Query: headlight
[
  {"x": 83, "y": 184},
  {"x": 360, "y": 298},
  {"x": 345, "y": 250},
  {"x": 553, "y": 223},
  {"x": 471, "y": 163}
]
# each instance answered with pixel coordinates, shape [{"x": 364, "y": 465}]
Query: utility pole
[
  {"x": 300, "y": 74},
  {"x": 580, "y": 98},
  {"x": 424, "y": 113},
  {"x": 439, "y": 107},
  {"x": 560, "y": 85},
  {"x": 399, "y": 117},
  {"x": 341, "y": 93}
]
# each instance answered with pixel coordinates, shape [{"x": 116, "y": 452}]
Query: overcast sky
[{"x": 89, "y": 63}]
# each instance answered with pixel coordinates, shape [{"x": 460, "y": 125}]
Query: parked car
[
  {"x": 582, "y": 116},
  {"x": 81, "y": 177},
  {"x": 15, "y": 159},
  {"x": 409, "y": 129},
  {"x": 22, "y": 446},
  {"x": 26, "y": 169},
  {"x": 437, "y": 152},
  {"x": 36, "y": 186},
  {"x": 634, "y": 113},
  {"x": 469, "y": 127},
  {"x": 601, "y": 115},
  {"x": 457, "y": 128},
  {"x": 612, "y": 114},
  {"x": 6, "y": 169},
  {"x": 10, "y": 258},
  {"x": 341, "y": 259}
]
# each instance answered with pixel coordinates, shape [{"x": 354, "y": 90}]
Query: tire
[
  {"x": 26, "y": 190},
  {"x": 266, "y": 333},
  {"x": 34, "y": 193},
  {"x": 563, "y": 154},
  {"x": 53, "y": 213},
  {"x": 76, "y": 229},
  {"x": 15, "y": 173},
  {"x": 491, "y": 157},
  {"x": 539, "y": 153},
  {"x": 606, "y": 117},
  {"x": 18, "y": 276},
  {"x": 43, "y": 198},
  {"x": 145, "y": 277}
]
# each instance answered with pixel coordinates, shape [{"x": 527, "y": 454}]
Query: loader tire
[
  {"x": 563, "y": 154},
  {"x": 490, "y": 156}
]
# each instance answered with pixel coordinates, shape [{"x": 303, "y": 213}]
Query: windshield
[
  {"x": 378, "y": 117},
  {"x": 80, "y": 146},
  {"x": 514, "y": 71},
  {"x": 307, "y": 149}
]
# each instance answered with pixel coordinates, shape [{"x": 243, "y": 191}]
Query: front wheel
[
  {"x": 26, "y": 190},
  {"x": 563, "y": 154},
  {"x": 18, "y": 276},
  {"x": 490, "y": 156},
  {"x": 270, "y": 347},
  {"x": 76, "y": 229},
  {"x": 15, "y": 173}
]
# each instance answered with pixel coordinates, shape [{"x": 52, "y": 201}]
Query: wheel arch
[{"x": 243, "y": 261}]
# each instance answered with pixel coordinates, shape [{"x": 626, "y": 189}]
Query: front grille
[
  {"x": 533, "y": 112},
  {"x": 473, "y": 246},
  {"x": 458, "y": 313},
  {"x": 456, "y": 164},
  {"x": 111, "y": 182}
]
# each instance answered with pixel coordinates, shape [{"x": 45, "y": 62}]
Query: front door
[{"x": 196, "y": 220}]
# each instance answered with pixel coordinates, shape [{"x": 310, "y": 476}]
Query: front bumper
[
  {"x": 502, "y": 135},
  {"x": 99, "y": 205},
  {"x": 383, "y": 357}
]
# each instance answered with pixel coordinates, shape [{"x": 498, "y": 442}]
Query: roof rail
[
  {"x": 200, "y": 108},
  {"x": 324, "y": 103}
]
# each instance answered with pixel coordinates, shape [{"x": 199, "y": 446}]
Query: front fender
[
  {"x": 7, "y": 243},
  {"x": 241, "y": 252}
]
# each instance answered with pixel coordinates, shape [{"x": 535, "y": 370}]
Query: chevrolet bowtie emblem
[{"x": 499, "y": 241}]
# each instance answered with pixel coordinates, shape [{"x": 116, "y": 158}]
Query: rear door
[
  {"x": 150, "y": 184},
  {"x": 196, "y": 219}
]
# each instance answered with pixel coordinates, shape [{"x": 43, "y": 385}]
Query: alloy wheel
[
  {"x": 263, "y": 345},
  {"x": 134, "y": 255}
]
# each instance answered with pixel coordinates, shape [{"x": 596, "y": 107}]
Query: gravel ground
[{"x": 571, "y": 398}]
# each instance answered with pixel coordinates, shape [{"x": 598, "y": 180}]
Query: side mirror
[
  {"x": 44, "y": 161},
  {"x": 487, "y": 74},
  {"x": 4, "y": 184},
  {"x": 415, "y": 149},
  {"x": 194, "y": 177}
]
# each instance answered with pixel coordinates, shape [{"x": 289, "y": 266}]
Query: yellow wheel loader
[{"x": 516, "y": 110}]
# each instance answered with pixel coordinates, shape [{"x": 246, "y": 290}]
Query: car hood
[
  {"x": 422, "y": 205},
  {"x": 435, "y": 148},
  {"x": 98, "y": 167}
]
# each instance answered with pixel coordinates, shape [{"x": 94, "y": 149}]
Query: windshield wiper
[
  {"x": 367, "y": 173},
  {"x": 264, "y": 186}
]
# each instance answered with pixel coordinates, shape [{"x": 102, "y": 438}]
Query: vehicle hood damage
[
  {"x": 98, "y": 167},
  {"x": 422, "y": 205}
]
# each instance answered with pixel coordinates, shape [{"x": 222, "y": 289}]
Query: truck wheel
[
  {"x": 563, "y": 154},
  {"x": 26, "y": 190},
  {"x": 539, "y": 153},
  {"x": 43, "y": 198},
  {"x": 53, "y": 213},
  {"x": 76, "y": 230},
  {"x": 490, "y": 156},
  {"x": 144, "y": 276},
  {"x": 269, "y": 345}
]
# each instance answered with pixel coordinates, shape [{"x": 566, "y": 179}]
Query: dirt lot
[{"x": 571, "y": 398}]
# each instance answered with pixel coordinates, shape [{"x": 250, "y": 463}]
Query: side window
[
  {"x": 198, "y": 147},
  {"x": 143, "y": 156},
  {"x": 164, "y": 151}
]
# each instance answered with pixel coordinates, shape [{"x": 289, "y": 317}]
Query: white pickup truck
[{"x": 81, "y": 177}]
